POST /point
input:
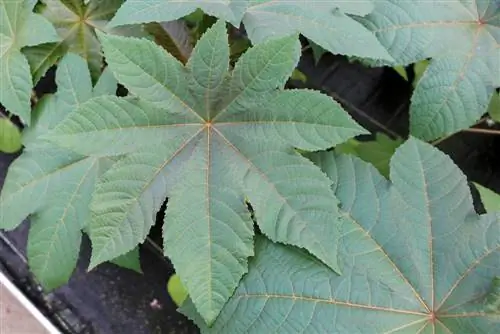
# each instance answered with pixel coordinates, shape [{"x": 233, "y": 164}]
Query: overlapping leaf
[
  {"x": 417, "y": 258},
  {"x": 210, "y": 140},
  {"x": 17, "y": 24},
  {"x": 52, "y": 184},
  {"x": 463, "y": 38},
  {"x": 10, "y": 136},
  {"x": 76, "y": 22},
  {"x": 327, "y": 23},
  {"x": 378, "y": 152}
]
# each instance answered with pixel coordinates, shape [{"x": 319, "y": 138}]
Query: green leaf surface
[
  {"x": 42, "y": 57},
  {"x": 490, "y": 199},
  {"x": 17, "y": 24},
  {"x": 10, "y": 136},
  {"x": 107, "y": 84},
  {"x": 130, "y": 260},
  {"x": 173, "y": 36},
  {"x": 169, "y": 10},
  {"x": 208, "y": 139},
  {"x": 327, "y": 23},
  {"x": 378, "y": 152},
  {"x": 53, "y": 185},
  {"x": 176, "y": 290},
  {"x": 76, "y": 22},
  {"x": 16, "y": 84},
  {"x": 462, "y": 38},
  {"x": 317, "y": 51},
  {"x": 416, "y": 257},
  {"x": 494, "y": 107}
]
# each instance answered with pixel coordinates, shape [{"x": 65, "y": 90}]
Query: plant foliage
[
  {"x": 10, "y": 136},
  {"x": 463, "y": 39},
  {"x": 17, "y": 22},
  {"x": 210, "y": 140},
  {"x": 416, "y": 258},
  {"x": 52, "y": 184},
  {"x": 76, "y": 22},
  {"x": 269, "y": 230},
  {"x": 327, "y": 23}
]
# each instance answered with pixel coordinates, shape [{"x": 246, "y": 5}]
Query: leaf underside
[
  {"x": 462, "y": 38},
  {"x": 208, "y": 139},
  {"x": 416, "y": 258}
]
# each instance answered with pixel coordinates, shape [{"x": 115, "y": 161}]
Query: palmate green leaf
[
  {"x": 327, "y": 23},
  {"x": 76, "y": 22},
  {"x": 463, "y": 38},
  {"x": 416, "y": 256},
  {"x": 210, "y": 140},
  {"x": 53, "y": 185},
  {"x": 17, "y": 24}
]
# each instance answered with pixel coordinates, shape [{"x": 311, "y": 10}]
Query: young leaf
[
  {"x": 378, "y": 152},
  {"x": 327, "y": 23},
  {"x": 176, "y": 290},
  {"x": 494, "y": 107},
  {"x": 490, "y": 199},
  {"x": 130, "y": 260},
  {"x": 174, "y": 37},
  {"x": 76, "y": 22},
  {"x": 209, "y": 139},
  {"x": 51, "y": 184},
  {"x": 42, "y": 57},
  {"x": 416, "y": 256},
  {"x": 462, "y": 38},
  {"x": 17, "y": 24},
  {"x": 10, "y": 136}
]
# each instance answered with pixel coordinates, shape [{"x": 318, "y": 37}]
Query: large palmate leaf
[
  {"x": 327, "y": 23},
  {"x": 416, "y": 258},
  {"x": 463, "y": 38},
  {"x": 51, "y": 184},
  {"x": 17, "y": 26},
  {"x": 210, "y": 140}
]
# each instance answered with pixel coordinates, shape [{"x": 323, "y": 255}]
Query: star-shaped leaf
[
  {"x": 327, "y": 23},
  {"x": 210, "y": 140},
  {"x": 416, "y": 256},
  {"x": 76, "y": 22},
  {"x": 463, "y": 38},
  {"x": 51, "y": 184},
  {"x": 18, "y": 25}
]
